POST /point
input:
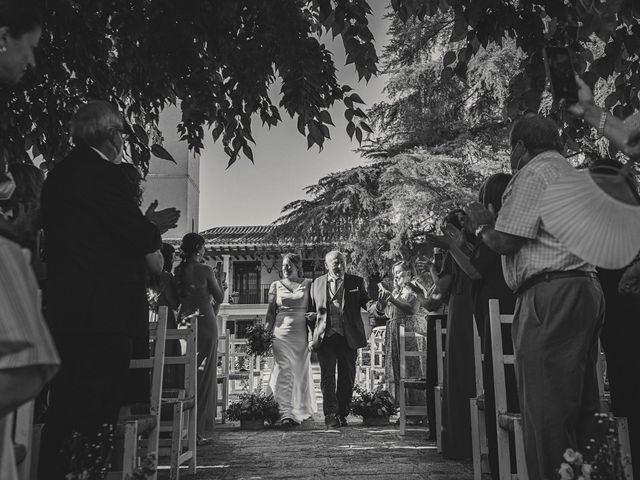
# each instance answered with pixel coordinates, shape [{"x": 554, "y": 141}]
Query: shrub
[
  {"x": 254, "y": 406},
  {"x": 378, "y": 403}
]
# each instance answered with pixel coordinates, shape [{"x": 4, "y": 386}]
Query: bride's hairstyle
[
  {"x": 295, "y": 259},
  {"x": 191, "y": 243}
]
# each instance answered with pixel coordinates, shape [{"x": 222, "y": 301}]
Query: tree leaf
[
  {"x": 449, "y": 58},
  {"x": 160, "y": 152},
  {"x": 326, "y": 117},
  {"x": 351, "y": 128},
  {"x": 141, "y": 134},
  {"x": 246, "y": 149}
]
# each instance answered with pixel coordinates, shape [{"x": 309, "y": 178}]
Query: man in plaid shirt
[{"x": 560, "y": 305}]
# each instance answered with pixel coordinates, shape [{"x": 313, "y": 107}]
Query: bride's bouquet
[{"x": 259, "y": 340}]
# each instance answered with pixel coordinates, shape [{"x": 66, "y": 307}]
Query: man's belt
[{"x": 548, "y": 276}]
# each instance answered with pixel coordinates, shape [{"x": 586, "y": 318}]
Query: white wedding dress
[{"x": 291, "y": 379}]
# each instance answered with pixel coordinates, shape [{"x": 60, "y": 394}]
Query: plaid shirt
[
  {"x": 520, "y": 216},
  {"x": 24, "y": 337}
]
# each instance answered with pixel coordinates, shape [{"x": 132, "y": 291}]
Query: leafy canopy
[
  {"x": 604, "y": 36},
  {"x": 216, "y": 59},
  {"x": 434, "y": 141}
]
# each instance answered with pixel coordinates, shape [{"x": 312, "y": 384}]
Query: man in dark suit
[
  {"x": 97, "y": 241},
  {"x": 338, "y": 331}
]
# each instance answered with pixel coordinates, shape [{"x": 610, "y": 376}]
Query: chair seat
[
  {"x": 414, "y": 382},
  {"x": 242, "y": 375},
  {"x": 20, "y": 452},
  {"x": 508, "y": 420},
  {"x": 146, "y": 423},
  {"x": 187, "y": 403}
]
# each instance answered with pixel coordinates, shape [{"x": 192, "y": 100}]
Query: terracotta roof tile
[{"x": 241, "y": 235}]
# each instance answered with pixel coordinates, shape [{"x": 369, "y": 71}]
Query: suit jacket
[
  {"x": 95, "y": 241},
  {"x": 355, "y": 297}
]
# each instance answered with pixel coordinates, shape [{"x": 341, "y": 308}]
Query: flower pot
[
  {"x": 376, "y": 421},
  {"x": 253, "y": 424}
]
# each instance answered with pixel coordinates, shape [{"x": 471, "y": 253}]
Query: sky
[{"x": 254, "y": 194}]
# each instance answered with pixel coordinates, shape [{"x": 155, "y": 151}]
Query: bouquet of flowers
[
  {"x": 89, "y": 458},
  {"x": 255, "y": 406},
  {"x": 259, "y": 340},
  {"x": 378, "y": 403},
  {"x": 604, "y": 454},
  {"x": 146, "y": 469}
]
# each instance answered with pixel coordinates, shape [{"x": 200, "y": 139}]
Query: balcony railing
[{"x": 253, "y": 295}]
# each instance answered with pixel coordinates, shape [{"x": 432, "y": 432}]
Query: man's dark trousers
[{"x": 333, "y": 351}]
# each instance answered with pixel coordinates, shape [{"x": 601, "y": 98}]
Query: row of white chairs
[{"x": 510, "y": 423}]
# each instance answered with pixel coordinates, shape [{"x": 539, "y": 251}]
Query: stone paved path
[{"x": 311, "y": 451}]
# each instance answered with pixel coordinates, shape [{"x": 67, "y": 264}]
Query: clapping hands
[{"x": 165, "y": 219}]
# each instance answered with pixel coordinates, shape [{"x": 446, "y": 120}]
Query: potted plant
[
  {"x": 252, "y": 409},
  {"x": 235, "y": 296},
  {"x": 375, "y": 407}
]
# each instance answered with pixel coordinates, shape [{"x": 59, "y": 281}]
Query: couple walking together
[{"x": 330, "y": 307}]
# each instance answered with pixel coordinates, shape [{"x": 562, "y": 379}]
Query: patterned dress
[{"x": 415, "y": 367}]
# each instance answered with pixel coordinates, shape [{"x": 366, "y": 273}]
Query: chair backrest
[
  {"x": 477, "y": 359},
  {"x": 238, "y": 352},
  {"x": 376, "y": 346},
  {"x": 441, "y": 334},
  {"x": 189, "y": 360},
  {"x": 157, "y": 334},
  {"x": 404, "y": 353},
  {"x": 499, "y": 358},
  {"x": 223, "y": 353}
]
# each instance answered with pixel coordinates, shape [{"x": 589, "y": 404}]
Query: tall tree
[
  {"x": 603, "y": 34},
  {"x": 215, "y": 58},
  {"x": 433, "y": 143}
]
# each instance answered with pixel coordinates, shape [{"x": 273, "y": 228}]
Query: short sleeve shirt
[
  {"x": 520, "y": 216},
  {"x": 24, "y": 337}
]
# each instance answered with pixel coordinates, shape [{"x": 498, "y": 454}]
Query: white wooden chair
[
  {"x": 363, "y": 365},
  {"x": 622, "y": 426},
  {"x": 148, "y": 425},
  {"x": 441, "y": 333},
  {"x": 183, "y": 423},
  {"x": 244, "y": 369},
  {"x": 410, "y": 382},
  {"x": 376, "y": 349},
  {"x": 223, "y": 374},
  {"x": 506, "y": 421},
  {"x": 479, "y": 442}
]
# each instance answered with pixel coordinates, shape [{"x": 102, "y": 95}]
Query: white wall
[{"x": 175, "y": 185}]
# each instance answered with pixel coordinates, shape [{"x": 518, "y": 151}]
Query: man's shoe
[
  {"x": 331, "y": 421},
  {"x": 343, "y": 421}
]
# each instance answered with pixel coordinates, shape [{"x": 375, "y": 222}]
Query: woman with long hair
[
  {"x": 401, "y": 307},
  {"x": 291, "y": 380},
  {"x": 197, "y": 288}
]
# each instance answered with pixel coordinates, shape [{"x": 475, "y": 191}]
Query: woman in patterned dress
[{"x": 401, "y": 307}]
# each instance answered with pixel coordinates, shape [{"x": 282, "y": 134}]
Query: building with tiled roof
[{"x": 249, "y": 259}]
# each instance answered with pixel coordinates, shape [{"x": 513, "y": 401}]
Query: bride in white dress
[{"x": 291, "y": 379}]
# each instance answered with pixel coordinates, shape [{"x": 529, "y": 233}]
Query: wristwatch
[{"x": 482, "y": 228}]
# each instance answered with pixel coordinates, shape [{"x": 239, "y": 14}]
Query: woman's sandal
[{"x": 287, "y": 422}]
